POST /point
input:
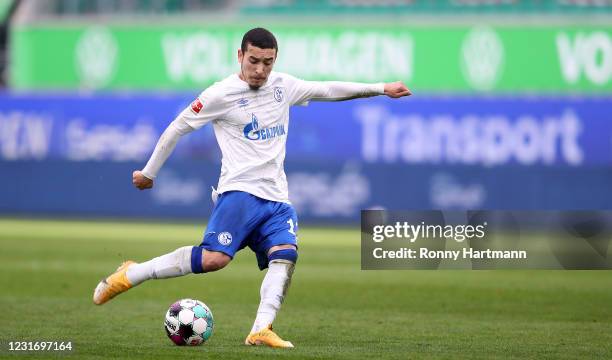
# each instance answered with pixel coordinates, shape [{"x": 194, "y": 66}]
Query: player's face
[{"x": 256, "y": 65}]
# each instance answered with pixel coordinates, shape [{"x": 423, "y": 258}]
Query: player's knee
[
  {"x": 283, "y": 253},
  {"x": 214, "y": 260}
]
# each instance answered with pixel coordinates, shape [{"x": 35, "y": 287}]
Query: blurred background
[
  {"x": 512, "y": 110},
  {"x": 512, "y": 104}
]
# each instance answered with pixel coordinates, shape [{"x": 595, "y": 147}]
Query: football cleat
[
  {"x": 113, "y": 285},
  {"x": 267, "y": 337}
]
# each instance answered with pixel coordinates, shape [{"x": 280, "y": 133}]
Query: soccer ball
[{"x": 189, "y": 322}]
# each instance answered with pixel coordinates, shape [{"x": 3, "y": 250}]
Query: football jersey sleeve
[
  {"x": 204, "y": 109},
  {"x": 208, "y": 106},
  {"x": 165, "y": 146},
  {"x": 302, "y": 91}
]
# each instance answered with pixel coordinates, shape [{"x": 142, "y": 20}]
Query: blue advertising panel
[
  {"x": 74, "y": 155},
  {"x": 332, "y": 192},
  {"x": 482, "y": 131}
]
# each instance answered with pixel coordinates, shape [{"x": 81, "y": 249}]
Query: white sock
[
  {"x": 176, "y": 263},
  {"x": 273, "y": 289}
]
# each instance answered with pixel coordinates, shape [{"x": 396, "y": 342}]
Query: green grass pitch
[{"x": 334, "y": 310}]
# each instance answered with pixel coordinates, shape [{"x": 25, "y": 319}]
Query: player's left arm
[
  {"x": 340, "y": 90},
  {"x": 396, "y": 90}
]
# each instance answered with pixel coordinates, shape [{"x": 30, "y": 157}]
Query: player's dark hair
[{"x": 259, "y": 37}]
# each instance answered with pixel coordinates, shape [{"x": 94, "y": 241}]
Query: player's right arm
[
  {"x": 143, "y": 179},
  {"x": 201, "y": 111}
]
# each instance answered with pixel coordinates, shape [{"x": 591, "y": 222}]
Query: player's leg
[
  {"x": 177, "y": 263},
  {"x": 173, "y": 264},
  {"x": 280, "y": 244},
  {"x": 130, "y": 274},
  {"x": 273, "y": 291},
  {"x": 275, "y": 284},
  {"x": 228, "y": 227}
]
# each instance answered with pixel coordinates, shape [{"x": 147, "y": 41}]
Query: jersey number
[{"x": 291, "y": 226}]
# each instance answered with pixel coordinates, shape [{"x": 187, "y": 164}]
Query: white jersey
[{"x": 251, "y": 127}]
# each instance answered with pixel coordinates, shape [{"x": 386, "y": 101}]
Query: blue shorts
[{"x": 240, "y": 219}]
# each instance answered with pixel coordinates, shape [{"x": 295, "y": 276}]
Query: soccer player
[{"x": 250, "y": 115}]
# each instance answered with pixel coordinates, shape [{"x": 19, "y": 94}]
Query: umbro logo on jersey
[
  {"x": 196, "y": 106},
  {"x": 242, "y": 102},
  {"x": 253, "y": 132}
]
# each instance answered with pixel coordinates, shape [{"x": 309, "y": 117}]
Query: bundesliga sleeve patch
[{"x": 196, "y": 106}]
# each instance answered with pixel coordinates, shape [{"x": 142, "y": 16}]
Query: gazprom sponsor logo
[{"x": 253, "y": 132}]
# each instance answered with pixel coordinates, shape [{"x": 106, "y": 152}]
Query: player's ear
[{"x": 240, "y": 55}]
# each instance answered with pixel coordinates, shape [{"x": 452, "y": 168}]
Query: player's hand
[
  {"x": 140, "y": 181},
  {"x": 396, "y": 90}
]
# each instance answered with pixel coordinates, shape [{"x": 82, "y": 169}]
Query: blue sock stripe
[
  {"x": 284, "y": 254},
  {"x": 196, "y": 260}
]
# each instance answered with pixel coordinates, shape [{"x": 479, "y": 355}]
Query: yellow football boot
[
  {"x": 267, "y": 337},
  {"x": 113, "y": 285}
]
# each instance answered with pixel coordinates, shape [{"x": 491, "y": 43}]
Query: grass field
[{"x": 334, "y": 310}]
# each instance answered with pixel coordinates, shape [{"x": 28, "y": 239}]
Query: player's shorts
[{"x": 240, "y": 219}]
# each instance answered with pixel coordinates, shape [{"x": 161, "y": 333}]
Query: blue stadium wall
[{"x": 73, "y": 155}]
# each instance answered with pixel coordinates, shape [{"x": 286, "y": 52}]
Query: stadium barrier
[
  {"x": 74, "y": 155},
  {"x": 333, "y": 193}
]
